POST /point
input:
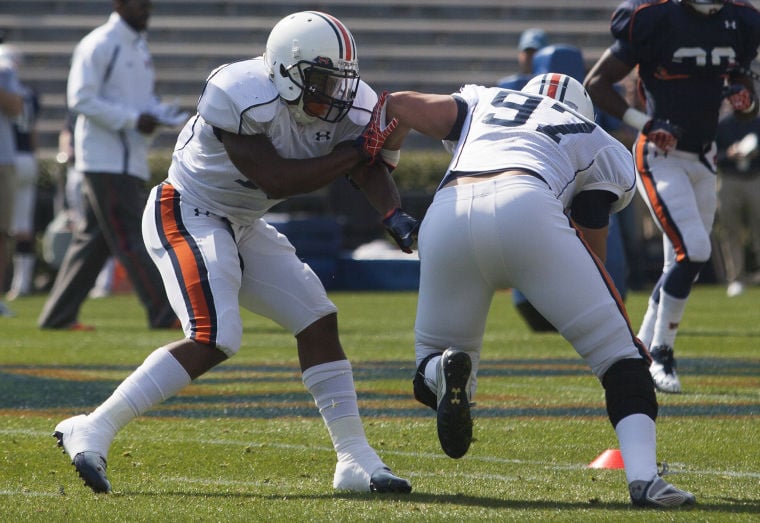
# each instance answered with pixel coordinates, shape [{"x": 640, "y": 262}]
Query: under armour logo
[
  {"x": 455, "y": 392},
  {"x": 322, "y": 135},
  {"x": 198, "y": 212},
  {"x": 729, "y": 24}
]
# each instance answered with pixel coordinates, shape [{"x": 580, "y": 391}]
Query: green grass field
[{"x": 245, "y": 443}]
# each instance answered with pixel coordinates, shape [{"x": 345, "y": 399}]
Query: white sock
[
  {"x": 646, "y": 331},
  {"x": 431, "y": 374},
  {"x": 23, "y": 269},
  {"x": 158, "y": 378},
  {"x": 669, "y": 315},
  {"x": 637, "y": 436},
  {"x": 332, "y": 386}
]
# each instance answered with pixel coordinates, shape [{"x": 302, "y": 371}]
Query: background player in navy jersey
[
  {"x": 690, "y": 54},
  {"x": 521, "y": 161},
  {"x": 285, "y": 123}
]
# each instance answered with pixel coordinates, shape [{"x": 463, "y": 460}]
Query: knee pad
[
  {"x": 680, "y": 278},
  {"x": 422, "y": 392},
  {"x": 629, "y": 389}
]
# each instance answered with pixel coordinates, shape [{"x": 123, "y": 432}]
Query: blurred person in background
[
  {"x": 27, "y": 171},
  {"x": 738, "y": 220},
  {"x": 531, "y": 41},
  {"x": 11, "y": 106},
  {"x": 110, "y": 92}
]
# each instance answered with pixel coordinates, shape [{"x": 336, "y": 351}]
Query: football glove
[
  {"x": 740, "y": 97},
  {"x": 370, "y": 141},
  {"x": 402, "y": 228},
  {"x": 662, "y": 133}
]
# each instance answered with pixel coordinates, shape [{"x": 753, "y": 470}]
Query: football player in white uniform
[
  {"x": 286, "y": 123},
  {"x": 525, "y": 204}
]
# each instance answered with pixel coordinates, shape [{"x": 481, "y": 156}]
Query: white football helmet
[
  {"x": 312, "y": 61},
  {"x": 562, "y": 88},
  {"x": 705, "y": 7}
]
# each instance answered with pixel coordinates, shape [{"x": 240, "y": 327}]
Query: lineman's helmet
[{"x": 562, "y": 88}]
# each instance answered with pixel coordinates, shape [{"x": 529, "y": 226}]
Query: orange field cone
[{"x": 609, "y": 459}]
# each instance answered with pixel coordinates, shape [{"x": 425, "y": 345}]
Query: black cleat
[
  {"x": 454, "y": 420},
  {"x": 384, "y": 481},
  {"x": 91, "y": 467},
  {"x": 89, "y": 464}
]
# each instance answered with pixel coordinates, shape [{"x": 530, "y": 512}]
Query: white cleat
[
  {"x": 658, "y": 493},
  {"x": 663, "y": 370}
]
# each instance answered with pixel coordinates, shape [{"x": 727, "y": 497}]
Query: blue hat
[{"x": 532, "y": 39}]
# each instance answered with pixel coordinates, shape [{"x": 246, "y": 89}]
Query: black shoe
[
  {"x": 454, "y": 420},
  {"x": 384, "y": 481}
]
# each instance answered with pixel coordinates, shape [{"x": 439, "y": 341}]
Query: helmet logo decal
[{"x": 323, "y": 61}]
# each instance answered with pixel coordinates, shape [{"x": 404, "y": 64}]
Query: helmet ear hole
[{"x": 283, "y": 71}]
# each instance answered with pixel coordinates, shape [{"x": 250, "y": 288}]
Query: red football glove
[
  {"x": 662, "y": 133},
  {"x": 372, "y": 138}
]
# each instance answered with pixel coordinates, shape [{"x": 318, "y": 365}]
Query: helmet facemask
[{"x": 327, "y": 92}]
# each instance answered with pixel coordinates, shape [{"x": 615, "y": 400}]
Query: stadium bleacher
[{"x": 429, "y": 45}]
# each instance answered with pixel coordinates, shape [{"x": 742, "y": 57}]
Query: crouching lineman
[{"x": 521, "y": 159}]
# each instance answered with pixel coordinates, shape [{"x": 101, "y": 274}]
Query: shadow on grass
[{"x": 460, "y": 500}]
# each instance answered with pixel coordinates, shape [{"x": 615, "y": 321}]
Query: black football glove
[
  {"x": 662, "y": 133},
  {"x": 403, "y": 229}
]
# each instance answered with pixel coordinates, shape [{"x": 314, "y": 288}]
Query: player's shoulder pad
[
  {"x": 636, "y": 20},
  {"x": 235, "y": 89},
  {"x": 365, "y": 101}
]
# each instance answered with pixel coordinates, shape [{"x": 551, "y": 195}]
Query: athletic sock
[
  {"x": 637, "y": 436},
  {"x": 431, "y": 374},
  {"x": 669, "y": 315},
  {"x": 646, "y": 331},
  {"x": 332, "y": 386},
  {"x": 23, "y": 270},
  {"x": 159, "y": 377}
]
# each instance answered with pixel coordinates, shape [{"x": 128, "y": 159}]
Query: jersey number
[{"x": 525, "y": 109}]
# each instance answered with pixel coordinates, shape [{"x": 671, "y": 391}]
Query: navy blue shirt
[{"x": 684, "y": 59}]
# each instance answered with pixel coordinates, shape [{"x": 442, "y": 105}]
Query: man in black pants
[{"x": 110, "y": 91}]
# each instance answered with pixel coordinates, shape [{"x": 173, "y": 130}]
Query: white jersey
[
  {"x": 517, "y": 130},
  {"x": 240, "y": 98}
]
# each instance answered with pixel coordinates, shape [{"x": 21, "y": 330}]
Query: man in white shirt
[{"x": 111, "y": 93}]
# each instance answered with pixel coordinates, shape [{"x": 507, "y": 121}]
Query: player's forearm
[
  {"x": 282, "y": 178},
  {"x": 378, "y": 187}
]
